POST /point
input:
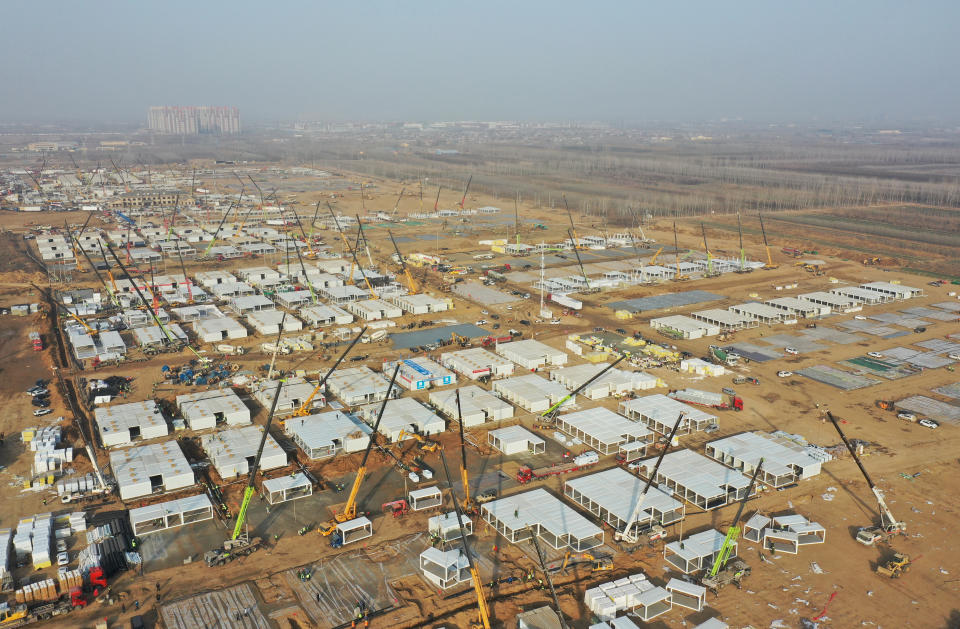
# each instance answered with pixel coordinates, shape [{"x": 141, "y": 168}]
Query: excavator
[
  {"x": 350, "y": 509},
  {"x": 304, "y": 409},
  {"x": 889, "y": 525},
  {"x": 769, "y": 266},
  {"x": 630, "y": 533},
  {"x": 425, "y": 444},
  {"x": 723, "y": 573},
  {"x": 598, "y": 564},
  {"x": 483, "y": 611}
]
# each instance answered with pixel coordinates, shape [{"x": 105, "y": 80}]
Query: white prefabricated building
[
  {"x": 532, "y": 392},
  {"x": 477, "y": 405},
  {"x": 153, "y": 468},
  {"x": 516, "y": 440},
  {"x": 403, "y": 414},
  {"x": 537, "y": 512},
  {"x": 614, "y": 382},
  {"x": 122, "y": 424},
  {"x": 232, "y": 452},
  {"x": 359, "y": 385},
  {"x": 170, "y": 514},
  {"x": 603, "y": 430},
  {"x": 287, "y": 487},
  {"x": 219, "y": 329},
  {"x": 531, "y": 354},
  {"x": 476, "y": 363},
  {"x": 206, "y": 409},
  {"x": 325, "y": 434},
  {"x": 612, "y": 496}
]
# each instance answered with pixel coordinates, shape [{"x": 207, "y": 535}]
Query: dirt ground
[{"x": 915, "y": 466}]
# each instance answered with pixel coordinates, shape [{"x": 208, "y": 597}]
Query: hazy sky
[{"x": 433, "y": 60}]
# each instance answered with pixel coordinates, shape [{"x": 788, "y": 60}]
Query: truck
[
  {"x": 527, "y": 474},
  {"x": 745, "y": 380},
  {"x": 36, "y": 341},
  {"x": 230, "y": 350},
  {"x": 723, "y": 357},
  {"x": 494, "y": 340},
  {"x": 706, "y": 398},
  {"x": 790, "y": 251},
  {"x": 20, "y": 614},
  {"x": 232, "y": 548}
]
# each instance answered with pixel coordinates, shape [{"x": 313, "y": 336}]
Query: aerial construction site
[{"x": 278, "y": 395}]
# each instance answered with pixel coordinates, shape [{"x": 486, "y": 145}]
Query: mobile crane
[
  {"x": 463, "y": 199},
  {"x": 710, "y": 271},
  {"x": 630, "y": 534},
  {"x": 411, "y": 284},
  {"x": 743, "y": 268},
  {"x": 469, "y": 505},
  {"x": 576, "y": 251},
  {"x": 304, "y": 409},
  {"x": 769, "y": 266},
  {"x": 90, "y": 331},
  {"x": 483, "y": 612},
  {"x": 889, "y": 525},
  {"x": 678, "y": 276},
  {"x": 551, "y": 412},
  {"x": 722, "y": 573},
  {"x": 350, "y": 509},
  {"x": 573, "y": 230}
]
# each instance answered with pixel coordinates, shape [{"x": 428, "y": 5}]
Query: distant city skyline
[
  {"x": 618, "y": 62},
  {"x": 194, "y": 120}
]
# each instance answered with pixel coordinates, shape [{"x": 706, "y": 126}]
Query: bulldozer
[{"x": 894, "y": 567}]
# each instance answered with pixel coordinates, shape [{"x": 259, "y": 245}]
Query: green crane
[{"x": 720, "y": 573}]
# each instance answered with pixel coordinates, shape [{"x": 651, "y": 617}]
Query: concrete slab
[
  {"x": 951, "y": 391},
  {"x": 667, "y": 300},
  {"x": 753, "y": 352},
  {"x": 837, "y": 378},
  {"x": 929, "y": 407},
  {"x": 831, "y": 335},
  {"x": 802, "y": 344},
  {"x": 406, "y": 340}
]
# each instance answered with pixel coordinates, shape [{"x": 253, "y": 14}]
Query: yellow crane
[
  {"x": 70, "y": 314},
  {"x": 653, "y": 260},
  {"x": 304, "y": 409},
  {"x": 343, "y": 237},
  {"x": 350, "y": 509},
  {"x": 483, "y": 611},
  {"x": 468, "y": 504},
  {"x": 411, "y": 284},
  {"x": 769, "y": 266}
]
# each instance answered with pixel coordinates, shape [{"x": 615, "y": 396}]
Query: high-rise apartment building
[{"x": 194, "y": 120}]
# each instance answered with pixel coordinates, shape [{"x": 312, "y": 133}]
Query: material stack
[
  {"x": 6, "y": 579},
  {"x": 48, "y": 457},
  {"x": 631, "y": 593},
  {"x": 41, "y": 536},
  {"x": 41, "y": 592},
  {"x": 77, "y": 486},
  {"x": 69, "y": 579}
]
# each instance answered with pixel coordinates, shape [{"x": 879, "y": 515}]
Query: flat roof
[
  {"x": 617, "y": 491},
  {"x": 515, "y": 433},
  {"x": 695, "y": 472},
  {"x": 322, "y": 429},
  {"x": 401, "y": 414},
  {"x": 122, "y": 417},
  {"x": 792, "y": 303},
  {"x": 472, "y": 400},
  {"x": 529, "y": 349},
  {"x": 890, "y": 287},
  {"x": 477, "y": 358},
  {"x": 137, "y": 464},
  {"x": 353, "y": 381},
  {"x": 606, "y": 426},
  {"x": 778, "y": 454},
  {"x": 295, "y": 388},
  {"x": 532, "y": 387},
  {"x": 286, "y": 482},
  {"x": 233, "y": 447},
  {"x": 537, "y": 507},
  {"x": 724, "y": 317},
  {"x": 699, "y": 545},
  {"x": 663, "y": 409},
  {"x": 860, "y": 294},
  {"x": 209, "y": 403},
  {"x": 576, "y": 375},
  {"x": 680, "y": 322},
  {"x": 250, "y": 301},
  {"x": 161, "y": 510},
  {"x": 762, "y": 311}
]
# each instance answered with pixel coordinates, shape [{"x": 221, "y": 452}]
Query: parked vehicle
[
  {"x": 784, "y": 374},
  {"x": 874, "y": 354},
  {"x": 929, "y": 423},
  {"x": 41, "y": 412},
  {"x": 907, "y": 417},
  {"x": 791, "y": 350}
]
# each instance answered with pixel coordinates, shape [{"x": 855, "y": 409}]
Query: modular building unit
[
  {"x": 320, "y": 315},
  {"x": 445, "y": 568},
  {"x": 293, "y": 394},
  {"x": 686, "y": 594},
  {"x": 797, "y": 307},
  {"x": 533, "y": 393},
  {"x": 419, "y": 372},
  {"x": 697, "y": 479},
  {"x": 537, "y": 512},
  {"x": 154, "y": 336},
  {"x": 403, "y": 415},
  {"x": 267, "y": 322},
  {"x": 829, "y": 302},
  {"x": 725, "y": 319},
  {"x": 154, "y": 468},
  {"x": 422, "y": 303},
  {"x": 516, "y": 440},
  {"x": 219, "y": 329},
  {"x": 659, "y": 412},
  {"x": 231, "y": 452},
  {"x": 426, "y": 498},
  {"x": 446, "y": 526},
  {"x": 206, "y": 409},
  {"x": 784, "y": 461},
  {"x": 614, "y": 382},
  {"x": 209, "y": 279},
  {"x": 197, "y": 312},
  {"x": 343, "y": 295},
  {"x": 602, "y": 429},
  {"x": 477, "y": 406},
  {"x": 531, "y": 354},
  {"x": 760, "y": 312},
  {"x": 355, "y": 530},
  {"x": 863, "y": 295},
  {"x": 294, "y": 298},
  {"x": 374, "y": 309},
  {"x": 896, "y": 291},
  {"x": 358, "y": 385},
  {"x": 612, "y": 495},
  {"x": 124, "y": 423},
  {"x": 171, "y": 514},
  {"x": 250, "y": 303},
  {"x": 323, "y": 435},
  {"x": 696, "y": 552},
  {"x": 476, "y": 363},
  {"x": 286, "y": 488},
  {"x": 684, "y": 326}
]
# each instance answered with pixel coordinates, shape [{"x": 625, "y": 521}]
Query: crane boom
[
  {"x": 887, "y": 521},
  {"x": 396, "y": 206},
  {"x": 733, "y": 533},
  {"x": 576, "y": 252},
  {"x": 464, "y": 475},
  {"x": 412, "y": 285},
  {"x": 546, "y": 575},
  {"x": 350, "y": 510},
  {"x": 223, "y": 220},
  {"x": 573, "y": 229},
  {"x": 552, "y": 411},
  {"x": 482, "y": 609},
  {"x": 366, "y": 244},
  {"x": 251, "y": 489},
  {"x": 627, "y": 534},
  {"x": 766, "y": 245},
  {"x": 743, "y": 256},
  {"x": 465, "y": 191},
  {"x": 305, "y": 407},
  {"x": 707, "y": 249}
]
